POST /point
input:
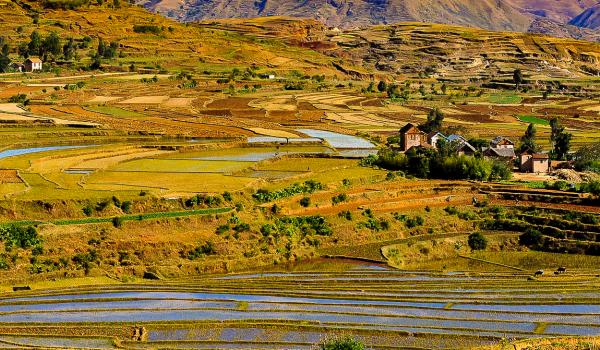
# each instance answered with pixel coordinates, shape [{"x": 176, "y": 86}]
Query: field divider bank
[
  {"x": 130, "y": 217},
  {"x": 490, "y": 262}
]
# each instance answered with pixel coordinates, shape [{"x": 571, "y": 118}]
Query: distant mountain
[
  {"x": 589, "y": 18},
  {"x": 511, "y": 15},
  {"x": 561, "y": 11}
]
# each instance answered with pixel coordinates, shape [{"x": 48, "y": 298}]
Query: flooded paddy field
[{"x": 294, "y": 310}]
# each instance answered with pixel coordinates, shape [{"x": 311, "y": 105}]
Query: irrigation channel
[{"x": 387, "y": 309}]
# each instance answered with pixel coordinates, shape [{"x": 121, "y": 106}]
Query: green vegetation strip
[{"x": 133, "y": 217}]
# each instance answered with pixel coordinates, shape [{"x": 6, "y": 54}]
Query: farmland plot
[{"x": 380, "y": 306}]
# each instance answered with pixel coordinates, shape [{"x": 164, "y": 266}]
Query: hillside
[
  {"x": 505, "y": 15},
  {"x": 589, "y": 18},
  {"x": 174, "y": 45},
  {"x": 445, "y": 51},
  {"x": 559, "y": 11}
]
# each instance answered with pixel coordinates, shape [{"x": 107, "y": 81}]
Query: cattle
[
  {"x": 21, "y": 288},
  {"x": 538, "y": 273},
  {"x": 561, "y": 269}
]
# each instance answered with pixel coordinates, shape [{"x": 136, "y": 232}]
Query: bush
[
  {"x": 297, "y": 226},
  {"x": 305, "y": 202},
  {"x": 88, "y": 210},
  {"x": 223, "y": 229},
  {"x": 414, "y": 222},
  {"x": 451, "y": 210},
  {"x": 531, "y": 237},
  {"x": 126, "y": 207},
  {"x": 64, "y": 4},
  {"x": 342, "y": 344},
  {"x": 227, "y": 196},
  {"x": 147, "y": 28},
  {"x": 207, "y": 249},
  {"x": 346, "y": 214},
  {"x": 375, "y": 224},
  {"x": 117, "y": 221},
  {"x": 342, "y": 197},
  {"x": 310, "y": 186},
  {"x": 19, "y": 236},
  {"x": 477, "y": 241},
  {"x": 20, "y": 98}
]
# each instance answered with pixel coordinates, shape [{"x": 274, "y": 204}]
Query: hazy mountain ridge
[
  {"x": 590, "y": 18},
  {"x": 539, "y": 16}
]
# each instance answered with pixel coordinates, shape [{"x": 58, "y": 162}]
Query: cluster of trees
[
  {"x": 4, "y": 59},
  {"x": 148, "y": 28},
  {"x": 52, "y": 47},
  {"x": 441, "y": 163},
  {"x": 19, "y": 236},
  {"x": 559, "y": 140},
  {"x": 588, "y": 158},
  {"x": 75, "y": 4},
  {"x": 48, "y": 47},
  {"x": 202, "y": 199},
  {"x": 265, "y": 196},
  {"x": 435, "y": 117},
  {"x": 65, "y": 4},
  {"x": 345, "y": 343},
  {"x": 299, "y": 226}
]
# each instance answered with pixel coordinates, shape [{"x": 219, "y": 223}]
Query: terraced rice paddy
[
  {"x": 294, "y": 310},
  {"x": 23, "y": 151},
  {"x": 337, "y": 140}
]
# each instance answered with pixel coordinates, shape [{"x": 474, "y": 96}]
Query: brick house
[
  {"x": 411, "y": 136},
  {"x": 532, "y": 162}
]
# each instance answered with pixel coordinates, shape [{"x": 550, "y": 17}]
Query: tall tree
[
  {"x": 382, "y": 86},
  {"x": 51, "y": 45},
  {"x": 562, "y": 145},
  {"x": 101, "y": 47},
  {"x": 518, "y": 78},
  {"x": 528, "y": 140},
  {"x": 35, "y": 43},
  {"x": 434, "y": 121},
  {"x": 4, "y": 59},
  {"x": 556, "y": 129},
  {"x": 69, "y": 49}
]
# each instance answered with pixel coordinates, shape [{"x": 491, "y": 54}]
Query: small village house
[
  {"x": 32, "y": 64},
  {"x": 17, "y": 67},
  {"x": 463, "y": 147},
  {"x": 434, "y": 137},
  {"x": 500, "y": 148},
  {"x": 501, "y": 142},
  {"x": 411, "y": 136},
  {"x": 500, "y": 153},
  {"x": 532, "y": 162}
]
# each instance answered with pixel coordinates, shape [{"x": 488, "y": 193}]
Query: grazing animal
[
  {"x": 538, "y": 273},
  {"x": 561, "y": 269},
  {"x": 21, "y": 288}
]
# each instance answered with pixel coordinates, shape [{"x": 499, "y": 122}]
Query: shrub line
[{"x": 131, "y": 217}]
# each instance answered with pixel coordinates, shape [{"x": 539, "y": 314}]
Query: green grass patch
[
  {"x": 531, "y": 119},
  {"x": 115, "y": 112},
  {"x": 505, "y": 98}
]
